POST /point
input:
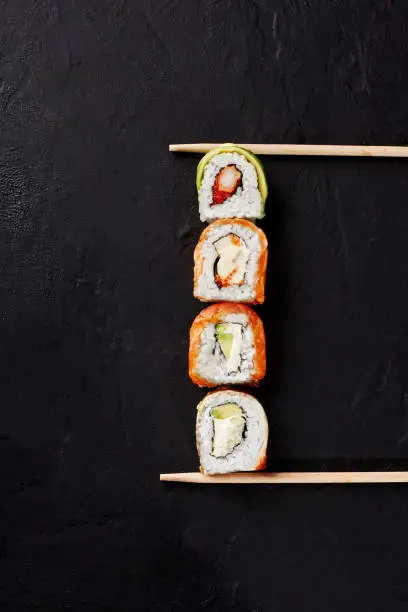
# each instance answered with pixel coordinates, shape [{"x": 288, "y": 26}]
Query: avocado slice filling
[
  {"x": 229, "y": 426},
  {"x": 229, "y": 338}
]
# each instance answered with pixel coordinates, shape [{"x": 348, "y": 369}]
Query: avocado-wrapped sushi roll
[
  {"x": 231, "y": 183},
  {"x": 227, "y": 346},
  {"x": 231, "y": 433},
  {"x": 230, "y": 262}
]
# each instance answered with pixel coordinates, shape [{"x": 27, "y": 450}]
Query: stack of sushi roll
[{"x": 227, "y": 339}]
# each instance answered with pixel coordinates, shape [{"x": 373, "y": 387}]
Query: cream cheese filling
[{"x": 233, "y": 257}]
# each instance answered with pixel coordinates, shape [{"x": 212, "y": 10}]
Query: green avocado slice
[
  {"x": 224, "y": 338},
  {"x": 229, "y": 147},
  {"x": 225, "y": 411}
]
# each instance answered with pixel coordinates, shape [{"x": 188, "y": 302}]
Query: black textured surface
[{"x": 98, "y": 224}]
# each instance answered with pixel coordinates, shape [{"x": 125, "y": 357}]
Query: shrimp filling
[{"x": 226, "y": 183}]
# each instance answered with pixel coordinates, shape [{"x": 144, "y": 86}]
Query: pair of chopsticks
[{"x": 295, "y": 477}]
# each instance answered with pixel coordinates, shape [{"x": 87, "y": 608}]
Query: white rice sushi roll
[
  {"x": 230, "y": 262},
  {"x": 231, "y": 433},
  {"x": 227, "y": 346},
  {"x": 231, "y": 183}
]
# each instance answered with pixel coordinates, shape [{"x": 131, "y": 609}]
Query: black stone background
[{"x": 97, "y": 229}]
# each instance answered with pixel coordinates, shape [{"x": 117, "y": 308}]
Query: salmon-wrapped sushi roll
[
  {"x": 230, "y": 262},
  {"x": 227, "y": 346},
  {"x": 231, "y": 183},
  {"x": 231, "y": 433}
]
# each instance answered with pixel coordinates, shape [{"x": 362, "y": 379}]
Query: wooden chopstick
[
  {"x": 289, "y": 478},
  {"x": 301, "y": 149}
]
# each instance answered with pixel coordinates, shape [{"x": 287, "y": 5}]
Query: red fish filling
[{"x": 226, "y": 183}]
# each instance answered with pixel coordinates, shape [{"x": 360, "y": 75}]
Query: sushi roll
[
  {"x": 230, "y": 262},
  {"x": 231, "y": 183},
  {"x": 227, "y": 346},
  {"x": 231, "y": 433}
]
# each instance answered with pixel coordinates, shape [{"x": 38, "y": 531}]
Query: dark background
[{"x": 98, "y": 222}]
